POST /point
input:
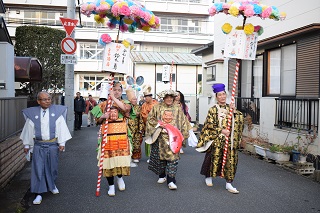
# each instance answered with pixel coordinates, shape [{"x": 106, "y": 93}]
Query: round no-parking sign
[{"x": 68, "y": 45}]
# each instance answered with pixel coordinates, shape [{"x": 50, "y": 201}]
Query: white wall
[
  {"x": 177, "y": 7},
  {"x": 204, "y": 105},
  {"x": 275, "y": 135},
  {"x": 7, "y": 69},
  {"x": 37, "y": 2},
  {"x": 185, "y": 81}
]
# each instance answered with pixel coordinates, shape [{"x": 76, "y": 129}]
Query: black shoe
[
  {"x": 88, "y": 126},
  {"x": 75, "y": 129}
]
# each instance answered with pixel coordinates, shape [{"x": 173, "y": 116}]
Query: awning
[{"x": 27, "y": 69}]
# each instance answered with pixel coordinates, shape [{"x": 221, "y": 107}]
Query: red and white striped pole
[
  {"x": 234, "y": 86},
  {"x": 171, "y": 70},
  {"x": 104, "y": 139}
]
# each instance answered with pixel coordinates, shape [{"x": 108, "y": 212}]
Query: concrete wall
[
  {"x": 266, "y": 128},
  {"x": 12, "y": 159}
]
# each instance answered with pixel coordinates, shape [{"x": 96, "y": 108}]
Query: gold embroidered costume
[{"x": 216, "y": 121}]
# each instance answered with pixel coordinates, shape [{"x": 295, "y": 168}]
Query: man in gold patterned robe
[
  {"x": 163, "y": 161},
  {"x": 215, "y": 131}
]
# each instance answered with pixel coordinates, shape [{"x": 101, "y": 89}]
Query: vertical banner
[
  {"x": 241, "y": 46},
  {"x": 116, "y": 58},
  {"x": 166, "y": 73}
]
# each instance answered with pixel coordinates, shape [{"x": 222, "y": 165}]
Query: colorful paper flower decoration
[
  {"x": 226, "y": 28},
  {"x": 247, "y": 8},
  {"x": 127, "y": 14},
  {"x": 128, "y": 42},
  {"x": 248, "y": 29},
  {"x": 104, "y": 39}
]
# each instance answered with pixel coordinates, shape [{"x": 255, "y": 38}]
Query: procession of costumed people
[{"x": 164, "y": 125}]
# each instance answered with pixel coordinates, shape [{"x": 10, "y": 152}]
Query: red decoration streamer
[
  {"x": 104, "y": 139},
  {"x": 234, "y": 86}
]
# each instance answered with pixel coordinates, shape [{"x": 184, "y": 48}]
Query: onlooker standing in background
[
  {"x": 90, "y": 103},
  {"x": 179, "y": 99},
  {"x": 141, "y": 100},
  {"x": 79, "y": 109},
  {"x": 63, "y": 98}
]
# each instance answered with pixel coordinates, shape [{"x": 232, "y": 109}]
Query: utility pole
[{"x": 69, "y": 75}]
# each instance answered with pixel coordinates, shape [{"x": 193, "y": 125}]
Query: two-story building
[{"x": 280, "y": 88}]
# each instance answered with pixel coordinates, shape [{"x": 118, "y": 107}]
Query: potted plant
[
  {"x": 278, "y": 152},
  {"x": 261, "y": 145},
  {"x": 302, "y": 146}
]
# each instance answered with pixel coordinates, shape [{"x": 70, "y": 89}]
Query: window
[
  {"x": 281, "y": 71},
  {"x": 199, "y": 78},
  {"x": 211, "y": 73},
  {"x": 91, "y": 51},
  {"x": 181, "y": 25},
  {"x": 257, "y": 77},
  {"x": 37, "y": 17},
  {"x": 246, "y": 71},
  {"x": 92, "y": 83},
  {"x": 159, "y": 77}
]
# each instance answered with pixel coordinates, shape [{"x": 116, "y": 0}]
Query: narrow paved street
[{"x": 264, "y": 187}]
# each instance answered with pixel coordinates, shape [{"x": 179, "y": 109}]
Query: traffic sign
[
  {"x": 69, "y": 24},
  {"x": 68, "y": 45},
  {"x": 68, "y": 59}
]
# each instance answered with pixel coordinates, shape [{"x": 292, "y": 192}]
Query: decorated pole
[
  {"x": 104, "y": 139},
  {"x": 226, "y": 145},
  {"x": 171, "y": 70}
]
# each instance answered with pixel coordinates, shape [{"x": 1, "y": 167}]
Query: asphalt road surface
[{"x": 263, "y": 186}]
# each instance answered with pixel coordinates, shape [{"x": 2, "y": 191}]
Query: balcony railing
[
  {"x": 11, "y": 118},
  {"x": 249, "y": 106},
  {"x": 293, "y": 113}
]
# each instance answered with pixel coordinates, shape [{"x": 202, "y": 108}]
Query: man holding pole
[{"x": 214, "y": 137}]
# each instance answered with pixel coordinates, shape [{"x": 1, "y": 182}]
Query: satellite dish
[
  {"x": 140, "y": 80},
  {"x": 130, "y": 80}
]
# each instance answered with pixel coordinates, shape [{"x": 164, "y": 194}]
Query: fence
[
  {"x": 11, "y": 118},
  {"x": 249, "y": 106},
  {"x": 297, "y": 113}
]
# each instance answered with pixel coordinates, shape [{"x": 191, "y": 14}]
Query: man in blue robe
[{"x": 44, "y": 134}]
